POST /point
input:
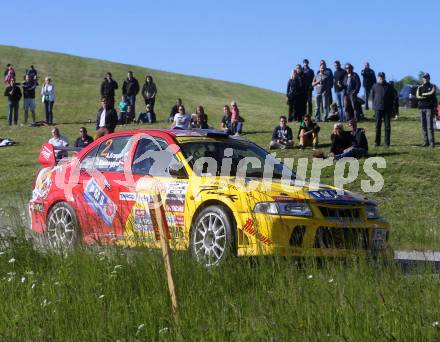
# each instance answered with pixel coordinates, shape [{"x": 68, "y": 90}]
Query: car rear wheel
[
  {"x": 62, "y": 227},
  {"x": 211, "y": 236}
]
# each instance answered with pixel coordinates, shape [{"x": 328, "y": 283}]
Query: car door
[
  {"x": 100, "y": 180},
  {"x": 154, "y": 164}
]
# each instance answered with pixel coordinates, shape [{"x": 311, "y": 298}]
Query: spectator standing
[
  {"x": 29, "y": 86},
  {"x": 359, "y": 143},
  {"x": 382, "y": 95},
  {"x": 427, "y": 102},
  {"x": 48, "y": 98},
  {"x": 149, "y": 91},
  {"x": 368, "y": 79},
  {"x": 352, "y": 85},
  {"x": 296, "y": 95},
  {"x": 108, "y": 87},
  {"x": 130, "y": 88},
  {"x": 13, "y": 92},
  {"x": 175, "y": 109},
  {"x": 32, "y": 72},
  {"x": 106, "y": 119},
  {"x": 83, "y": 140},
  {"x": 58, "y": 140},
  {"x": 182, "y": 120},
  {"x": 308, "y": 133},
  {"x": 338, "y": 77},
  {"x": 308, "y": 76},
  {"x": 322, "y": 85},
  {"x": 282, "y": 136},
  {"x": 9, "y": 74},
  {"x": 330, "y": 73}
]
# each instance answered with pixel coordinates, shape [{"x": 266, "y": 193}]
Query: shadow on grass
[{"x": 386, "y": 154}]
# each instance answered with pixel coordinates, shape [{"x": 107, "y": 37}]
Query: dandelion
[
  {"x": 101, "y": 296},
  {"x": 330, "y": 280},
  {"x": 435, "y": 324},
  {"x": 309, "y": 276},
  {"x": 11, "y": 261},
  {"x": 163, "y": 330}
]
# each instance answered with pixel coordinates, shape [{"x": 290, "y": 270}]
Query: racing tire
[
  {"x": 211, "y": 240},
  {"x": 63, "y": 232}
]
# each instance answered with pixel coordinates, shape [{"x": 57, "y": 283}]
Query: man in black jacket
[
  {"x": 29, "y": 86},
  {"x": 427, "y": 101},
  {"x": 130, "y": 88},
  {"x": 359, "y": 143},
  {"x": 368, "y": 79},
  {"x": 338, "y": 77},
  {"x": 352, "y": 85},
  {"x": 308, "y": 76},
  {"x": 108, "y": 87},
  {"x": 106, "y": 119},
  {"x": 296, "y": 95},
  {"x": 282, "y": 136},
  {"x": 382, "y": 95},
  {"x": 13, "y": 92}
]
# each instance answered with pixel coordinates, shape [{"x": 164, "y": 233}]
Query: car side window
[
  {"x": 153, "y": 158},
  {"x": 112, "y": 154},
  {"x": 88, "y": 161}
]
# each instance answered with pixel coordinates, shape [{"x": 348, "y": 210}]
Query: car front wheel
[
  {"x": 211, "y": 236},
  {"x": 62, "y": 227}
]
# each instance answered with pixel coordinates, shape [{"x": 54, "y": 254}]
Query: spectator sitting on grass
[
  {"x": 199, "y": 121},
  {"x": 341, "y": 140},
  {"x": 182, "y": 120},
  {"x": 308, "y": 133},
  {"x": 58, "y": 140},
  {"x": 175, "y": 109},
  {"x": 225, "y": 124},
  {"x": 83, "y": 140},
  {"x": 201, "y": 112},
  {"x": 148, "y": 117},
  {"x": 359, "y": 143},
  {"x": 236, "y": 120},
  {"x": 282, "y": 136}
]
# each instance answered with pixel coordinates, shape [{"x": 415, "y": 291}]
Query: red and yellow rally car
[{"x": 221, "y": 195}]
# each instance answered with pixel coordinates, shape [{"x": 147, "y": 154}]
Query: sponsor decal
[
  {"x": 127, "y": 196},
  {"x": 142, "y": 220},
  {"x": 285, "y": 199},
  {"x": 42, "y": 185},
  {"x": 36, "y": 207},
  {"x": 175, "y": 220},
  {"x": 99, "y": 201},
  {"x": 249, "y": 228},
  {"x": 177, "y": 188},
  {"x": 332, "y": 195},
  {"x": 46, "y": 152},
  {"x": 174, "y": 208}
]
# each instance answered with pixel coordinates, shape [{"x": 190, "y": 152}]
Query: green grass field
[{"x": 243, "y": 299}]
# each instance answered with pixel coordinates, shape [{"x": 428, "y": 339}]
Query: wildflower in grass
[
  {"x": 1, "y": 253},
  {"x": 33, "y": 286},
  {"x": 11, "y": 261},
  {"x": 163, "y": 330},
  {"x": 435, "y": 324},
  {"x": 29, "y": 273},
  {"x": 57, "y": 283},
  {"x": 141, "y": 326},
  {"x": 330, "y": 280},
  {"x": 45, "y": 302},
  {"x": 117, "y": 267},
  {"x": 23, "y": 279},
  {"x": 101, "y": 296},
  {"x": 309, "y": 276}
]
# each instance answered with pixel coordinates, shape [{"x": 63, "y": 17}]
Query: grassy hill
[
  {"x": 112, "y": 294},
  {"x": 409, "y": 196}
]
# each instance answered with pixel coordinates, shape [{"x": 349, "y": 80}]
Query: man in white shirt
[
  {"x": 106, "y": 119},
  {"x": 58, "y": 140}
]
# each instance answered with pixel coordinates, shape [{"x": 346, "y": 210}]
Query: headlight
[
  {"x": 372, "y": 212},
  {"x": 284, "y": 208}
]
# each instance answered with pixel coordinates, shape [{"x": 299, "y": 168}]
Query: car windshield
[{"x": 233, "y": 158}]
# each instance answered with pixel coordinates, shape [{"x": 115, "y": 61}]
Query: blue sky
[{"x": 251, "y": 42}]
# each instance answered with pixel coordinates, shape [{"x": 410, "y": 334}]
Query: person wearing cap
[
  {"x": 382, "y": 95},
  {"x": 359, "y": 143},
  {"x": 427, "y": 102}
]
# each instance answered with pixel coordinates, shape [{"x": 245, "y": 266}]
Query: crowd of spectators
[{"x": 336, "y": 99}]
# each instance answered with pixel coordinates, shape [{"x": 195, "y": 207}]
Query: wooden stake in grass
[{"x": 161, "y": 226}]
